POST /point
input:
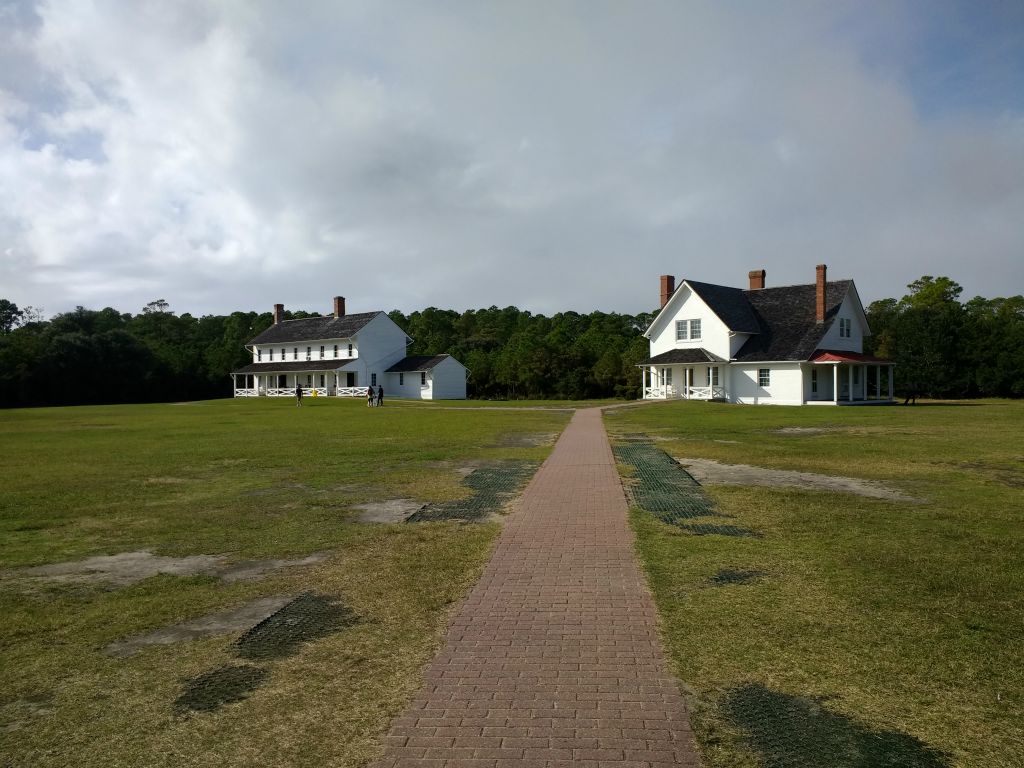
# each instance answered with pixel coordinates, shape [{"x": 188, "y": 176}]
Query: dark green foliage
[
  {"x": 944, "y": 348},
  {"x": 308, "y": 617},
  {"x": 796, "y": 732},
  {"x": 212, "y": 690},
  {"x": 493, "y": 486}
]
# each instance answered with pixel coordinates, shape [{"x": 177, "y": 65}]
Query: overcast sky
[{"x": 553, "y": 155}]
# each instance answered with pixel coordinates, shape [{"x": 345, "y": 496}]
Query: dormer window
[
  {"x": 259, "y": 355},
  {"x": 845, "y": 328},
  {"x": 688, "y": 330}
]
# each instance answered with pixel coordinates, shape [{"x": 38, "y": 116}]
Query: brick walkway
[{"x": 554, "y": 659}]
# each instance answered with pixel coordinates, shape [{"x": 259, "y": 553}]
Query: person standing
[
  {"x": 369, "y": 397},
  {"x": 380, "y": 395},
  {"x": 298, "y": 395}
]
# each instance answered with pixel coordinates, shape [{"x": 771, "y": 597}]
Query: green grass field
[
  {"x": 889, "y": 628},
  {"x": 251, "y": 480}
]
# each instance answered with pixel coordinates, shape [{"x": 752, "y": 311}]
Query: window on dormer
[
  {"x": 259, "y": 355},
  {"x": 845, "y": 328}
]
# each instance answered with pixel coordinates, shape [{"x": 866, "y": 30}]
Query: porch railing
[
  {"x": 705, "y": 393},
  {"x": 352, "y": 391},
  {"x": 660, "y": 392},
  {"x": 247, "y": 392}
]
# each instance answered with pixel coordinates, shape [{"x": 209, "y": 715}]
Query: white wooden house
[
  {"x": 341, "y": 355},
  {"x": 792, "y": 345}
]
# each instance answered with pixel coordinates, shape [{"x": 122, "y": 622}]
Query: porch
[
  {"x": 695, "y": 383},
  {"x": 854, "y": 379},
  {"x": 281, "y": 382}
]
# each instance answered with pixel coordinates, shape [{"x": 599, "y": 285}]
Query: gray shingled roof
[
  {"x": 786, "y": 316},
  {"x": 297, "y": 365},
  {"x": 416, "y": 363},
  {"x": 683, "y": 356},
  {"x": 315, "y": 328},
  {"x": 730, "y": 304}
]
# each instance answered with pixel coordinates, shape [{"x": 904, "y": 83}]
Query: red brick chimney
[
  {"x": 819, "y": 295},
  {"x": 339, "y": 306},
  {"x": 668, "y": 287},
  {"x": 278, "y": 313},
  {"x": 756, "y": 279}
]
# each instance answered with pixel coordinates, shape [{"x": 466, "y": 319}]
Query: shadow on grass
[{"x": 796, "y": 732}]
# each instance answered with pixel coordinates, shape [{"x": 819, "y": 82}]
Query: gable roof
[
  {"x": 786, "y": 316},
  {"x": 416, "y": 363},
  {"x": 311, "y": 328},
  {"x": 730, "y": 304}
]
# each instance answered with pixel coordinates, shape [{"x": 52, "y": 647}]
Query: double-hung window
[
  {"x": 309, "y": 353},
  {"x": 401, "y": 379},
  {"x": 321, "y": 352},
  {"x": 764, "y": 377},
  {"x": 845, "y": 328},
  {"x": 295, "y": 353},
  {"x": 714, "y": 376},
  {"x": 259, "y": 355},
  {"x": 423, "y": 378},
  {"x": 687, "y": 330},
  {"x": 350, "y": 350},
  {"x": 335, "y": 350}
]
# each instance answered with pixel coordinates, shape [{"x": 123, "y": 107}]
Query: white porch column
[{"x": 835, "y": 383}]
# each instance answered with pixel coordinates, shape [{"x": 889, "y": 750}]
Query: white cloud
[{"x": 554, "y": 156}]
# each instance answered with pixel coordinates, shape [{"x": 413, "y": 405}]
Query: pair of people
[{"x": 370, "y": 396}]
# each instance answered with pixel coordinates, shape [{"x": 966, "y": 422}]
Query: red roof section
[{"x": 830, "y": 356}]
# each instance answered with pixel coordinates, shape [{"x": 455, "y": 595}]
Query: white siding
[
  {"x": 448, "y": 380},
  {"x": 855, "y": 343},
  {"x": 382, "y": 344},
  {"x": 786, "y": 384},
  {"x": 689, "y": 306}
]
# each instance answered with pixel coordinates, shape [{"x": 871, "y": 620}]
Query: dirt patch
[
  {"x": 800, "y": 431},
  {"x": 523, "y": 440},
  {"x": 712, "y": 472},
  {"x": 129, "y": 568},
  {"x": 390, "y": 511},
  {"x": 253, "y": 569},
  {"x": 222, "y": 622},
  {"x": 125, "y": 568},
  {"x": 21, "y": 712}
]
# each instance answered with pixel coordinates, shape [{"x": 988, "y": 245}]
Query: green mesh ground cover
[
  {"x": 493, "y": 486},
  {"x": 663, "y": 488},
  {"x": 660, "y": 486},
  {"x": 797, "y": 732},
  {"x": 736, "y": 576},
  {"x": 308, "y": 617},
  {"x": 212, "y": 690}
]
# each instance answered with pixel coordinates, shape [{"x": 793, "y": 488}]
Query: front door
[{"x": 350, "y": 379}]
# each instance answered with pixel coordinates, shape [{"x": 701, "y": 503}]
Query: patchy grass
[
  {"x": 250, "y": 480},
  {"x": 881, "y": 632}
]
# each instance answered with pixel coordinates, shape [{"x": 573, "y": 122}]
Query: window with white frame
[
  {"x": 321, "y": 351},
  {"x": 687, "y": 330},
  {"x": 373, "y": 379},
  {"x": 271, "y": 353},
  {"x": 309, "y": 353},
  {"x": 764, "y": 377},
  {"x": 295, "y": 353},
  {"x": 350, "y": 350},
  {"x": 423, "y": 378},
  {"x": 259, "y": 355},
  {"x": 714, "y": 376},
  {"x": 665, "y": 377},
  {"x": 845, "y": 328},
  {"x": 814, "y": 381}
]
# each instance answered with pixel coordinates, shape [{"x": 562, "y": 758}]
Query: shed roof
[
  {"x": 417, "y": 363},
  {"x": 683, "y": 356}
]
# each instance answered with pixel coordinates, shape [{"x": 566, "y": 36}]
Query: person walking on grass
[
  {"x": 380, "y": 396},
  {"x": 369, "y": 397},
  {"x": 298, "y": 395}
]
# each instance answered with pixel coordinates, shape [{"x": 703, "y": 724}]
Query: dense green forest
[{"x": 943, "y": 347}]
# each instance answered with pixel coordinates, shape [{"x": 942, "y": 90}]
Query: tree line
[{"x": 943, "y": 348}]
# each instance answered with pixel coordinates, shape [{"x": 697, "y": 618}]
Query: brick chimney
[
  {"x": 339, "y": 306},
  {"x": 756, "y": 279},
  {"x": 278, "y": 313},
  {"x": 668, "y": 287},
  {"x": 819, "y": 295}
]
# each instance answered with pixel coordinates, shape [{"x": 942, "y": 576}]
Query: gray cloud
[{"x": 552, "y": 156}]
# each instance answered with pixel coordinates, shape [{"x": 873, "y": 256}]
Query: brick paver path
[{"x": 554, "y": 659}]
